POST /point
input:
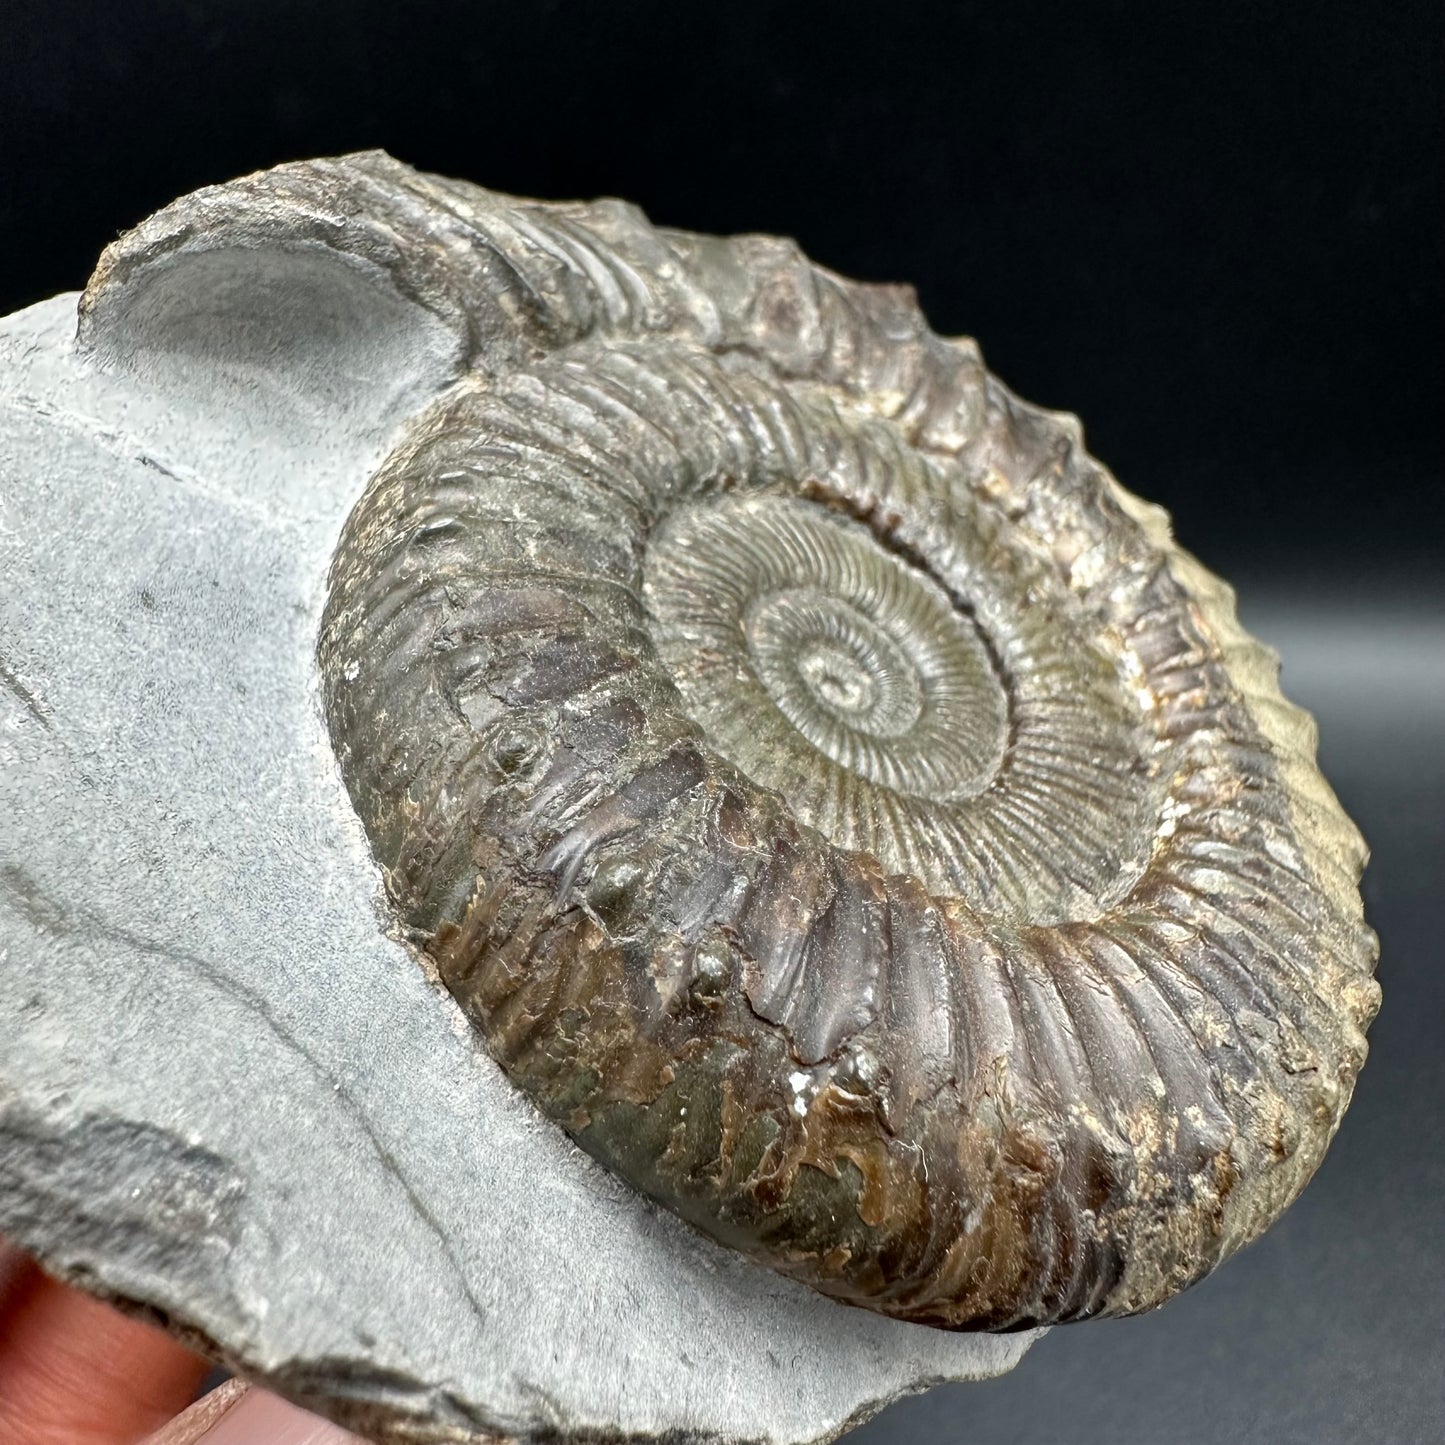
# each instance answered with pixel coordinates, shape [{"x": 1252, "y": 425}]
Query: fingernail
[
  {"x": 192, "y": 1425},
  {"x": 262, "y": 1419}
]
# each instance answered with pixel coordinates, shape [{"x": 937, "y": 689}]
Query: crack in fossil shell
[{"x": 837, "y": 803}]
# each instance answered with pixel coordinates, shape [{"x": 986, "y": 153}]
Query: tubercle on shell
[{"x": 836, "y": 801}]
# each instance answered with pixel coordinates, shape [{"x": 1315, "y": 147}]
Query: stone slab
[{"x": 227, "y": 1096}]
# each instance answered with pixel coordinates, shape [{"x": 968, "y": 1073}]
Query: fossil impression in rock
[{"x": 839, "y": 804}]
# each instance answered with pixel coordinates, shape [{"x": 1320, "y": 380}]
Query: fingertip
[
  {"x": 194, "y": 1424},
  {"x": 258, "y": 1418},
  {"x": 74, "y": 1371}
]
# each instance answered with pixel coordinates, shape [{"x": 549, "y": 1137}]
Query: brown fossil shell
[{"x": 838, "y": 803}]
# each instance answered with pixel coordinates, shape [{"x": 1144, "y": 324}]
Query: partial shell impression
[{"x": 837, "y": 802}]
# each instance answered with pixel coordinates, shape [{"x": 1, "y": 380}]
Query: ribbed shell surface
[{"x": 838, "y": 803}]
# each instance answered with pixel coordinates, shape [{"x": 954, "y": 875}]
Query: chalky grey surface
[{"x": 226, "y": 1094}]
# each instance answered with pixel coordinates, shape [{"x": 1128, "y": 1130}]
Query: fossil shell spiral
[{"x": 837, "y": 802}]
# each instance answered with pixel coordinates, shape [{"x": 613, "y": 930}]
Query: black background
[{"x": 1214, "y": 231}]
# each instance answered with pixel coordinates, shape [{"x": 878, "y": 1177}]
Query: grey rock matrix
[{"x": 228, "y": 1097}]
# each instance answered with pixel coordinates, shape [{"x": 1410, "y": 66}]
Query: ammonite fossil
[{"x": 838, "y": 803}]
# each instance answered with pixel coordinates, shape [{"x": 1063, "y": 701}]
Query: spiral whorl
[
  {"x": 838, "y": 803},
  {"x": 824, "y": 666}
]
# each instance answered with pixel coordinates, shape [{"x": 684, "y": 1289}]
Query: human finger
[{"x": 74, "y": 1371}]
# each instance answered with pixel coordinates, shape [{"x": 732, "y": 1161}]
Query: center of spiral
[
  {"x": 823, "y": 664},
  {"x": 817, "y": 654},
  {"x": 838, "y": 680}
]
